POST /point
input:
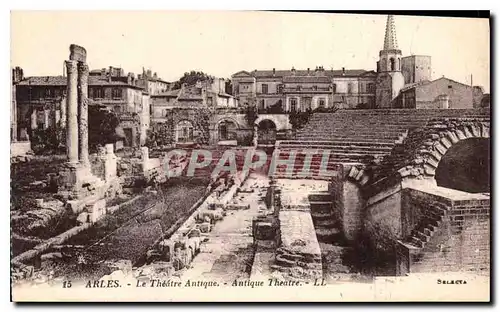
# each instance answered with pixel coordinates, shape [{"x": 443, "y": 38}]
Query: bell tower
[{"x": 390, "y": 80}]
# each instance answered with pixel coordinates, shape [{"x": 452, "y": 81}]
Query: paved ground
[{"x": 228, "y": 254}]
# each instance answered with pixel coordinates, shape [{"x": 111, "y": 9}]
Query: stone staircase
[
  {"x": 327, "y": 228},
  {"x": 362, "y": 136},
  {"x": 426, "y": 227}
]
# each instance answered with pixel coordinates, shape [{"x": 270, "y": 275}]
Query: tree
[
  {"x": 299, "y": 119},
  {"x": 192, "y": 78},
  {"x": 251, "y": 114},
  {"x": 102, "y": 127}
]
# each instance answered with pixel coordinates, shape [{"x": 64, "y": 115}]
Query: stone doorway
[
  {"x": 266, "y": 132},
  {"x": 466, "y": 166}
]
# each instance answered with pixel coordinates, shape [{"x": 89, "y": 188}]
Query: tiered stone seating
[
  {"x": 362, "y": 136},
  {"x": 216, "y": 153}
]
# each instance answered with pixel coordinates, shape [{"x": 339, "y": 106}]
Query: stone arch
[
  {"x": 466, "y": 166},
  {"x": 451, "y": 138},
  {"x": 268, "y": 117},
  {"x": 224, "y": 129},
  {"x": 266, "y": 130},
  {"x": 184, "y": 131},
  {"x": 392, "y": 62}
]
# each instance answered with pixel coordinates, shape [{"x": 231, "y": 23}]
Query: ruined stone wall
[
  {"x": 199, "y": 117},
  {"x": 352, "y": 210},
  {"x": 462, "y": 241}
]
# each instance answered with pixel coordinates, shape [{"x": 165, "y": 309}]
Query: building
[
  {"x": 40, "y": 98},
  {"x": 152, "y": 83},
  {"x": 282, "y": 91},
  {"x": 299, "y": 90},
  {"x": 17, "y": 75},
  {"x": 440, "y": 93},
  {"x": 208, "y": 94}
]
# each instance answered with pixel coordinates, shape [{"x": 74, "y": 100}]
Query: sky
[{"x": 223, "y": 43}]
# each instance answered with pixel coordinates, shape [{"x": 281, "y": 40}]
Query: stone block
[
  {"x": 97, "y": 210},
  {"x": 460, "y": 134},
  {"x": 204, "y": 227},
  {"x": 83, "y": 217},
  {"x": 440, "y": 148},
  {"x": 476, "y": 132},
  {"x": 446, "y": 142},
  {"x": 452, "y": 137},
  {"x": 467, "y": 132},
  {"x": 77, "y": 53},
  {"x": 429, "y": 170},
  {"x": 264, "y": 231},
  {"x": 485, "y": 132}
]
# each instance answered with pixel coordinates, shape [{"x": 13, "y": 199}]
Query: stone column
[
  {"x": 83, "y": 130},
  {"x": 72, "y": 112},
  {"x": 46, "y": 119},
  {"x": 63, "y": 113},
  {"x": 34, "y": 117}
]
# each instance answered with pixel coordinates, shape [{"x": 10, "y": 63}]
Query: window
[
  {"x": 370, "y": 87},
  {"x": 315, "y": 88},
  {"x": 293, "y": 105},
  {"x": 393, "y": 64},
  {"x": 334, "y": 88},
  {"x": 49, "y": 93},
  {"x": 280, "y": 88},
  {"x": 185, "y": 131},
  {"x": 99, "y": 93},
  {"x": 262, "y": 104},
  {"x": 210, "y": 101},
  {"x": 264, "y": 88},
  {"x": 118, "y": 109},
  {"x": 298, "y": 88},
  {"x": 306, "y": 103},
  {"x": 117, "y": 93},
  {"x": 349, "y": 88},
  {"x": 321, "y": 103},
  {"x": 450, "y": 87}
]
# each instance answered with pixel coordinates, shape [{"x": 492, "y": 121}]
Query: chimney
[
  {"x": 129, "y": 78},
  {"x": 274, "y": 71},
  {"x": 343, "y": 71},
  {"x": 293, "y": 71},
  {"x": 308, "y": 71},
  {"x": 110, "y": 73},
  {"x": 155, "y": 76}
]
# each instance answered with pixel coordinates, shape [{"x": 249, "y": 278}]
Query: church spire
[{"x": 390, "y": 41}]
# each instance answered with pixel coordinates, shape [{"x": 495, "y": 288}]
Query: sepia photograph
[{"x": 249, "y": 156}]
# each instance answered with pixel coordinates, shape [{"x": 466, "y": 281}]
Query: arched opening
[
  {"x": 393, "y": 64},
  {"x": 266, "y": 132},
  {"x": 227, "y": 130},
  {"x": 184, "y": 132},
  {"x": 466, "y": 166}
]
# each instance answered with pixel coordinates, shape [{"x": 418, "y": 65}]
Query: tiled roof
[
  {"x": 300, "y": 72},
  {"x": 62, "y": 81},
  {"x": 171, "y": 93},
  {"x": 413, "y": 85},
  {"x": 44, "y": 81},
  {"x": 306, "y": 79}
]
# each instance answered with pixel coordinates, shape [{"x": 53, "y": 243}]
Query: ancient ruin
[{"x": 223, "y": 197}]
